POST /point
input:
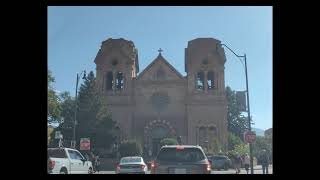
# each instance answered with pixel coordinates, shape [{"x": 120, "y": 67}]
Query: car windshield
[
  {"x": 180, "y": 155},
  {"x": 57, "y": 153},
  {"x": 130, "y": 160}
]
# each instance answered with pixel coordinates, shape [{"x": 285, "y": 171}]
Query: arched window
[
  {"x": 117, "y": 134},
  {"x": 119, "y": 81},
  {"x": 109, "y": 81},
  {"x": 210, "y": 80},
  {"x": 200, "y": 80},
  {"x": 202, "y": 136},
  {"x": 213, "y": 130},
  {"x": 212, "y": 133}
]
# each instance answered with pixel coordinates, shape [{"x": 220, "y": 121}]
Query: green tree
[
  {"x": 237, "y": 123},
  {"x": 67, "y": 114},
  {"x": 93, "y": 118},
  {"x": 215, "y": 147},
  {"x": 50, "y": 131},
  {"x": 54, "y": 108},
  {"x": 233, "y": 141},
  {"x": 241, "y": 149},
  {"x": 260, "y": 144},
  {"x": 130, "y": 148},
  {"x": 168, "y": 141}
]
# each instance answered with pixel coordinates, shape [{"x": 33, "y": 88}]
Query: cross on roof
[{"x": 160, "y": 50}]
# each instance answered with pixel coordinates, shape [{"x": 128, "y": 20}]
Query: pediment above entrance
[{"x": 159, "y": 70}]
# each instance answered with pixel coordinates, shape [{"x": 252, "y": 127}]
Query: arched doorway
[
  {"x": 154, "y": 132},
  {"x": 158, "y": 133}
]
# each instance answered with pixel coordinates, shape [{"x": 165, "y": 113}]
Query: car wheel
[{"x": 90, "y": 171}]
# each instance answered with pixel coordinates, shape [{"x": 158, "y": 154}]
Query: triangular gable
[{"x": 153, "y": 66}]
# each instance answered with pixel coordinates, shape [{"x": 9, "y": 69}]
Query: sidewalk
[{"x": 258, "y": 167}]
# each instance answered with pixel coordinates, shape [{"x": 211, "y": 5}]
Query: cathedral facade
[{"x": 159, "y": 102}]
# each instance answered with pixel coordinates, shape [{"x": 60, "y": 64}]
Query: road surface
[{"x": 257, "y": 170}]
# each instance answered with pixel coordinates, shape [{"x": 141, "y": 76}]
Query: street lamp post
[
  {"x": 247, "y": 90},
  {"x": 76, "y": 109}
]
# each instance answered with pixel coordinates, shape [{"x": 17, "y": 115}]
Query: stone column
[
  {"x": 103, "y": 81},
  {"x": 205, "y": 79},
  {"x": 221, "y": 81},
  {"x": 114, "y": 80}
]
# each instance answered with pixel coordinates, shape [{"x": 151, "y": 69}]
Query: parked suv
[
  {"x": 220, "y": 162},
  {"x": 181, "y": 159}
]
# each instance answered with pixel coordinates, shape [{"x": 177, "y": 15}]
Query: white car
[
  {"x": 67, "y": 161},
  {"x": 132, "y": 165}
]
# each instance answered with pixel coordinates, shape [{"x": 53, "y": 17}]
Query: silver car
[
  {"x": 181, "y": 159},
  {"x": 132, "y": 165}
]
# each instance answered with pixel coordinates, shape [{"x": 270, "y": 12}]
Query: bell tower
[
  {"x": 116, "y": 69},
  {"x": 116, "y": 65},
  {"x": 206, "y": 102},
  {"x": 204, "y": 65}
]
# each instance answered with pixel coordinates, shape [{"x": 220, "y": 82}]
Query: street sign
[
  {"x": 85, "y": 144},
  {"x": 241, "y": 100},
  {"x": 249, "y": 136}
]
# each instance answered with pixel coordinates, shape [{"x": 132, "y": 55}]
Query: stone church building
[{"x": 158, "y": 101}]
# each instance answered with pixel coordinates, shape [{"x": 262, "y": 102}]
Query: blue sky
[{"x": 75, "y": 35}]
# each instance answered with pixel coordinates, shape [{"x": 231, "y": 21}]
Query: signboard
[
  {"x": 241, "y": 100},
  {"x": 58, "y": 135},
  {"x": 249, "y": 136},
  {"x": 85, "y": 144}
]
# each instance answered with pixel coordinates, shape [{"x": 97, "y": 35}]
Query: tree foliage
[
  {"x": 130, "y": 148},
  {"x": 215, "y": 146},
  {"x": 168, "y": 141},
  {"x": 54, "y": 108},
  {"x": 94, "y": 120},
  {"x": 67, "y": 114},
  {"x": 50, "y": 131},
  {"x": 237, "y": 123},
  {"x": 241, "y": 149},
  {"x": 262, "y": 143},
  {"x": 233, "y": 141}
]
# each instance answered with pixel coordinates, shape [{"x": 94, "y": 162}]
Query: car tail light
[
  {"x": 154, "y": 165},
  {"x": 51, "y": 164},
  {"x": 143, "y": 166},
  {"x": 118, "y": 167},
  {"x": 179, "y": 148},
  {"x": 207, "y": 167}
]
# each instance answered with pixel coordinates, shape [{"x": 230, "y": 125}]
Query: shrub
[
  {"x": 168, "y": 141},
  {"x": 130, "y": 148}
]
